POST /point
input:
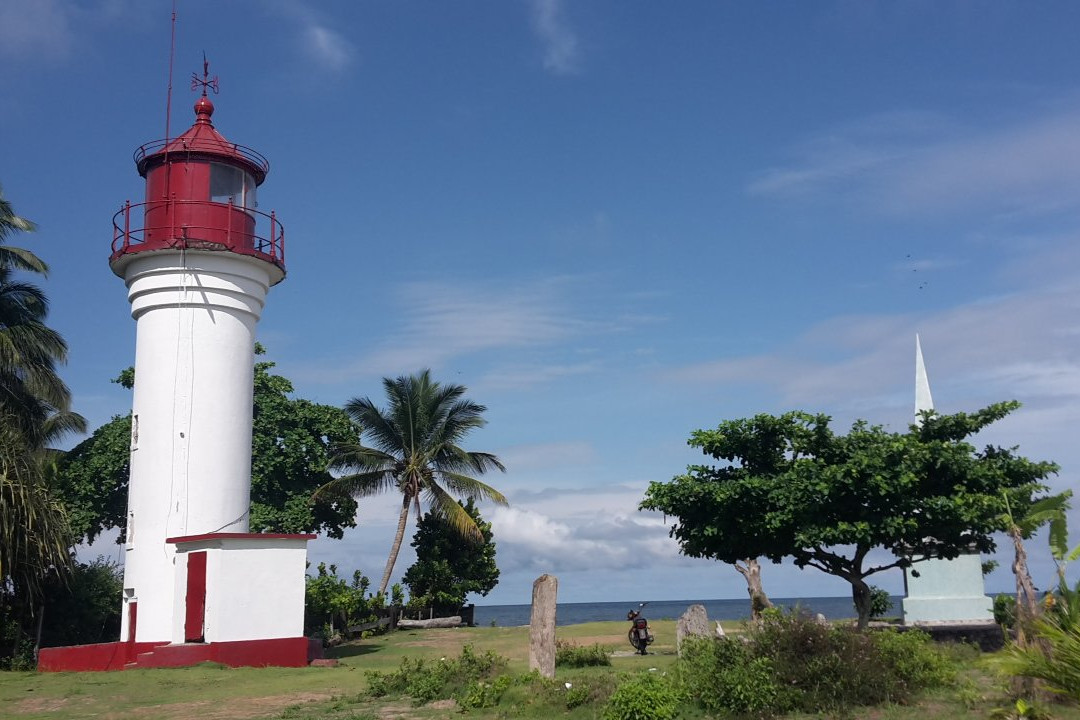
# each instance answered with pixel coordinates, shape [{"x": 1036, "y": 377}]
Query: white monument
[{"x": 944, "y": 590}]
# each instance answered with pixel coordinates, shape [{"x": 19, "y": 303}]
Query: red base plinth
[{"x": 278, "y": 652}]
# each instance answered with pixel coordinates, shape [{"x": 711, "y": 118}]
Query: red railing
[
  {"x": 204, "y": 145},
  {"x": 176, "y": 224}
]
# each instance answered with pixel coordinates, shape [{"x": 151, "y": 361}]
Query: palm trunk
[
  {"x": 396, "y": 547},
  {"x": 1026, "y": 608},
  {"x": 758, "y": 599}
]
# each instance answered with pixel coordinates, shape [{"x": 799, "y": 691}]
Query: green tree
[
  {"x": 290, "y": 446},
  {"x": 34, "y": 410},
  {"x": 416, "y": 453},
  {"x": 1021, "y": 519},
  {"x": 331, "y": 604},
  {"x": 447, "y": 567},
  {"x": 793, "y": 488}
]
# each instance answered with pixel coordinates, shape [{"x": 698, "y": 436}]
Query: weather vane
[{"x": 205, "y": 81}]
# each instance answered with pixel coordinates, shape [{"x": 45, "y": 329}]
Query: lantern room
[{"x": 200, "y": 195}]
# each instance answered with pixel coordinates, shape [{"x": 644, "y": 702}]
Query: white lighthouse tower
[{"x": 198, "y": 259}]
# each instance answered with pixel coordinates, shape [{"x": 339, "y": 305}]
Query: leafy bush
[
  {"x": 792, "y": 662},
  {"x": 577, "y": 656},
  {"x": 722, "y": 676},
  {"x": 457, "y": 678},
  {"x": 1005, "y": 610},
  {"x": 913, "y": 660},
  {"x": 331, "y": 604},
  {"x": 880, "y": 602},
  {"x": 483, "y": 694},
  {"x": 643, "y": 697}
]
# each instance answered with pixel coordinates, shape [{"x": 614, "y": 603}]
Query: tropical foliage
[
  {"x": 794, "y": 488},
  {"x": 449, "y": 567},
  {"x": 34, "y": 411},
  {"x": 415, "y": 452}
]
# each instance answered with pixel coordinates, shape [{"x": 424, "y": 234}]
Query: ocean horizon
[{"x": 833, "y": 608}]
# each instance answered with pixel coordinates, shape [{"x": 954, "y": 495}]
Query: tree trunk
[
  {"x": 758, "y": 599},
  {"x": 1026, "y": 605},
  {"x": 860, "y": 594},
  {"x": 396, "y": 547}
]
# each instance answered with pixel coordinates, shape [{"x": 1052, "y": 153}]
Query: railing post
[
  {"x": 127, "y": 224},
  {"x": 273, "y": 234}
]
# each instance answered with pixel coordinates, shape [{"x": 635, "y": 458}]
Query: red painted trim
[
  {"x": 195, "y": 601},
  {"x": 98, "y": 657},
  {"x": 240, "y": 536},
  {"x": 277, "y": 652}
]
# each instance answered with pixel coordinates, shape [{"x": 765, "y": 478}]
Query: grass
[{"x": 211, "y": 692}]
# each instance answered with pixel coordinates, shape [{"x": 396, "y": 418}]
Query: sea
[{"x": 834, "y": 608}]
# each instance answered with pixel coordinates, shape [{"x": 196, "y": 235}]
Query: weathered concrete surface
[
  {"x": 693, "y": 623},
  {"x": 542, "y": 625}
]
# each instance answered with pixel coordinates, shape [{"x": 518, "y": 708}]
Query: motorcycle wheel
[{"x": 635, "y": 642}]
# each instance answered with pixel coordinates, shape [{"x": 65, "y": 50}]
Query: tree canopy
[
  {"x": 291, "y": 441},
  {"x": 415, "y": 452},
  {"x": 794, "y": 488},
  {"x": 448, "y": 567}
]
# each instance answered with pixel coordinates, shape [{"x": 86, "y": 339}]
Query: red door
[{"x": 195, "y": 605}]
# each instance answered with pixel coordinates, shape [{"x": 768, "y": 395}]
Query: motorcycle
[{"x": 639, "y": 635}]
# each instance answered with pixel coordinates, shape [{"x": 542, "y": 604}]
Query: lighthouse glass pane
[{"x": 231, "y": 184}]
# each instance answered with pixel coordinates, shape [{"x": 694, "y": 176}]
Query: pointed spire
[{"x": 923, "y": 400}]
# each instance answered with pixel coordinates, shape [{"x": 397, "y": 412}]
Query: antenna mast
[{"x": 168, "y": 95}]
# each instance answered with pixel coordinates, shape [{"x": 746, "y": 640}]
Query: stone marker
[
  {"x": 693, "y": 622},
  {"x": 719, "y": 630},
  {"x": 542, "y": 625}
]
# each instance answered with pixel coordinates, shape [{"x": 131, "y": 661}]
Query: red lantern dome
[{"x": 200, "y": 195}]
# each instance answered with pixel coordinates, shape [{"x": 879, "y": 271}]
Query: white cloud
[
  {"x": 904, "y": 165},
  {"x": 560, "y": 43},
  {"x": 52, "y": 30},
  {"x": 443, "y": 321},
  {"x": 41, "y": 28},
  {"x": 326, "y": 47}
]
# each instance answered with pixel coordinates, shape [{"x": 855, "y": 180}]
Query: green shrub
[
  {"x": 914, "y": 661},
  {"x": 722, "y": 676},
  {"x": 880, "y": 602},
  {"x": 483, "y": 694},
  {"x": 1005, "y": 610},
  {"x": 577, "y": 656},
  {"x": 426, "y": 681},
  {"x": 643, "y": 697},
  {"x": 792, "y": 662}
]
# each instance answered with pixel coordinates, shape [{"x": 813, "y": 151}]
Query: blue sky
[{"x": 615, "y": 222}]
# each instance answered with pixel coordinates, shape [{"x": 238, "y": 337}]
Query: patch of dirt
[
  {"x": 236, "y": 709},
  {"x": 39, "y": 705}
]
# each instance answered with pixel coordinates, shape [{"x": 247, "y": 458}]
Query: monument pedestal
[{"x": 947, "y": 591}]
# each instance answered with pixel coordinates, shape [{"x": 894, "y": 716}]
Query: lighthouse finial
[{"x": 205, "y": 81}]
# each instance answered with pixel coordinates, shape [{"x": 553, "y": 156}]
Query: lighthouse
[{"x": 198, "y": 258}]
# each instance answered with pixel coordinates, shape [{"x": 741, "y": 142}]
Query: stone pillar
[
  {"x": 693, "y": 622},
  {"x": 542, "y": 625}
]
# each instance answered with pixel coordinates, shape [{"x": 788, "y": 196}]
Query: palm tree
[
  {"x": 1021, "y": 525},
  {"x": 31, "y": 391},
  {"x": 414, "y": 450},
  {"x": 13, "y": 257},
  {"x": 34, "y": 410}
]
